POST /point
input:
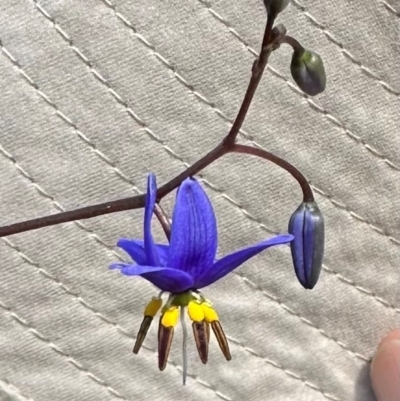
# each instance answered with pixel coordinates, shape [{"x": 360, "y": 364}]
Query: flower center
[{"x": 184, "y": 298}]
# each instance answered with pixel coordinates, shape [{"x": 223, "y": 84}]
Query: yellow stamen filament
[
  {"x": 170, "y": 317},
  {"x": 195, "y": 312},
  {"x": 153, "y": 307},
  {"x": 210, "y": 315}
]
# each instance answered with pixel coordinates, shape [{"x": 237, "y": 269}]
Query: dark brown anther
[
  {"x": 221, "y": 338},
  {"x": 165, "y": 336},
  {"x": 144, "y": 328},
  {"x": 201, "y": 338},
  {"x": 208, "y": 331}
]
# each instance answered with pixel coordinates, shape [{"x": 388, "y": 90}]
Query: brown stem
[
  {"x": 133, "y": 202},
  {"x": 297, "y": 175},
  {"x": 163, "y": 219},
  {"x": 290, "y": 40},
  {"x": 268, "y": 31},
  {"x": 256, "y": 75},
  {"x": 206, "y": 160},
  {"x": 271, "y": 41}
]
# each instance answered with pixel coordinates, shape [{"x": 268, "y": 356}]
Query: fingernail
[{"x": 385, "y": 368}]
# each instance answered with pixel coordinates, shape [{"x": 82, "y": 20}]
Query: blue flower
[{"x": 183, "y": 267}]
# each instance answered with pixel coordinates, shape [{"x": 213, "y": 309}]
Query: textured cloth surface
[{"x": 95, "y": 94}]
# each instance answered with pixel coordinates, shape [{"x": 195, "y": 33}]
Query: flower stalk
[{"x": 308, "y": 195}]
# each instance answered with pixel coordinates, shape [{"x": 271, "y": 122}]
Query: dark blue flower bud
[
  {"x": 308, "y": 71},
  {"x": 274, "y": 7},
  {"x": 307, "y": 227}
]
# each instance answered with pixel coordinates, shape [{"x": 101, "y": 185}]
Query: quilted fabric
[{"x": 96, "y": 93}]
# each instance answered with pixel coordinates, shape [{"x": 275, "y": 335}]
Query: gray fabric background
[{"x": 95, "y": 93}]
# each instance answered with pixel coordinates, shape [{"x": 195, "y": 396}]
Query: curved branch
[{"x": 308, "y": 195}]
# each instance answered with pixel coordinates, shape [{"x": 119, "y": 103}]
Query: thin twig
[
  {"x": 88, "y": 212},
  {"x": 290, "y": 40},
  {"x": 163, "y": 219},
  {"x": 308, "y": 195},
  {"x": 256, "y": 75}
]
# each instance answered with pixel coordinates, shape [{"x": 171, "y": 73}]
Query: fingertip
[{"x": 385, "y": 368}]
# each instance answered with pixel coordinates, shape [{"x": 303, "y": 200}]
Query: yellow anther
[
  {"x": 170, "y": 317},
  {"x": 195, "y": 312},
  {"x": 209, "y": 313},
  {"x": 152, "y": 307}
]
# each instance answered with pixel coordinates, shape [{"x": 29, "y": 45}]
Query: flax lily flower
[{"x": 182, "y": 268}]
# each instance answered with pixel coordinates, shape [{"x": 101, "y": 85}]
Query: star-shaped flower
[{"x": 183, "y": 267}]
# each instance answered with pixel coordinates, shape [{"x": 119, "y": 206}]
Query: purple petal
[
  {"x": 135, "y": 249},
  {"x": 149, "y": 248},
  {"x": 165, "y": 279},
  {"x": 230, "y": 262},
  {"x": 194, "y": 230},
  {"x": 163, "y": 252}
]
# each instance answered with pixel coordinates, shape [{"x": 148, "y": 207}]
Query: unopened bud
[
  {"x": 274, "y": 7},
  {"x": 307, "y": 227},
  {"x": 308, "y": 71}
]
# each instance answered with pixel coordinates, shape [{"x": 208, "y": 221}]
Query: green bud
[
  {"x": 274, "y": 7},
  {"x": 308, "y": 71}
]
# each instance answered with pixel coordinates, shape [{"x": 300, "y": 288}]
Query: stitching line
[
  {"x": 225, "y": 196},
  {"x": 364, "y": 69},
  {"x": 119, "y": 173},
  {"x": 287, "y": 371},
  {"x": 202, "y": 98},
  {"x": 43, "y": 193},
  {"x": 210, "y": 185},
  {"x": 127, "y": 334},
  {"x": 391, "y": 9},
  {"x": 307, "y": 322},
  {"x": 311, "y": 102},
  {"x": 46, "y": 195},
  {"x": 118, "y": 98},
  {"x": 273, "y": 298},
  {"x": 98, "y": 314},
  {"x": 59, "y": 351},
  {"x": 55, "y": 203},
  {"x": 246, "y": 213},
  {"x": 8, "y": 387},
  {"x": 46, "y": 274},
  {"x": 352, "y": 283},
  {"x": 247, "y": 281},
  {"x": 380, "y": 230}
]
